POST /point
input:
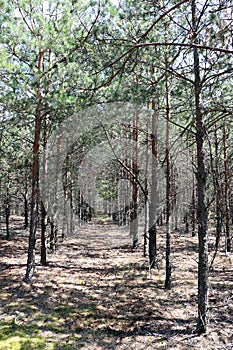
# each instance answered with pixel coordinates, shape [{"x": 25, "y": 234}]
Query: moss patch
[{"x": 24, "y": 343}]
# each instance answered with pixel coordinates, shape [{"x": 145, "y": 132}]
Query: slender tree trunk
[
  {"x": 168, "y": 184},
  {"x": 55, "y": 194},
  {"x": 7, "y": 207},
  {"x": 218, "y": 194},
  {"x": 7, "y": 212},
  {"x": 174, "y": 198},
  {"x": 193, "y": 204},
  {"x": 193, "y": 212},
  {"x": 202, "y": 214},
  {"x": 154, "y": 195},
  {"x": 134, "y": 209},
  {"x": 71, "y": 199},
  {"x": 26, "y": 209},
  {"x": 35, "y": 182},
  {"x": 217, "y": 189},
  {"x": 52, "y": 237},
  {"x": 226, "y": 193},
  {"x": 25, "y": 197},
  {"x": 146, "y": 199},
  {"x": 64, "y": 219},
  {"x": 43, "y": 255},
  {"x": 43, "y": 225},
  {"x": 186, "y": 221}
]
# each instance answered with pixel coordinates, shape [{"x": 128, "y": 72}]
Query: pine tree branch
[
  {"x": 74, "y": 49},
  {"x": 191, "y": 46}
]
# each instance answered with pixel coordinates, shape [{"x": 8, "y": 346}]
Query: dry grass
[{"x": 97, "y": 293}]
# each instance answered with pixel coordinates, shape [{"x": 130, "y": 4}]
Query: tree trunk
[
  {"x": 146, "y": 199},
  {"x": 53, "y": 237},
  {"x": 202, "y": 214},
  {"x": 64, "y": 221},
  {"x": 71, "y": 232},
  {"x": 174, "y": 198},
  {"x": 186, "y": 221},
  {"x": 193, "y": 212},
  {"x": 7, "y": 207},
  {"x": 43, "y": 224},
  {"x": 193, "y": 205},
  {"x": 35, "y": 182},
  {"x": 43, "y": 255},
  {"x": 26, "y": 219},
  {"x": 226, "y": 193},
  {"x": 217, "y": 194},
  {"x": 168, "y": 184},
  {"x": 25, "y": 196},
  {"x": 7, "y": 217},
  {"x": 134, "y": 210},
  {"x": 154, "y": 189}
]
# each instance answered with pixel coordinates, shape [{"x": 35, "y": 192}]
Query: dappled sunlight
[{"x": 98, "y": 293}]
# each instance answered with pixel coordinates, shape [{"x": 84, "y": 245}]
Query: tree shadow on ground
[{"x": 102, "y": 298}]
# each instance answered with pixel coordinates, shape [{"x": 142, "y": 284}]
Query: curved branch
[
  {"x": 161, "y": 17},
  {"x": 191, "y": 46}
]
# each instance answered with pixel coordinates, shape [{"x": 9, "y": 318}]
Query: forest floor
[{"x": 97, "y": 293}]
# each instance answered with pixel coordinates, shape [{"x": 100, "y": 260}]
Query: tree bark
[
  {"x": 134, "y": 210},
  {"x": 25, "y": 197},
  {"x": 193, "y": 212},
  {"x": 154, "y": 189},
  {"x": 218, "y": 196},
  {"x": 146, "y": 199},
  {"x": 35, "y": 181},
  {"x": 26, "y": 219},
  {"x": 193, "y": 205},
  {"x": 226, "y": 193},
  {"x": 7, "y": 207},
  {"x": 53, "y": 237},
  {"x": 43, "y": 255},
  {"x": 202, "y": 214},
  {"x": 168, "y": 185}
]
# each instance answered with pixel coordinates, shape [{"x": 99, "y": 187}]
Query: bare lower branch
[{"x": 191, "y": 45}]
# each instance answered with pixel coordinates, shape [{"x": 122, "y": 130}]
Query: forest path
[{"x": 97, "y": 293}]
